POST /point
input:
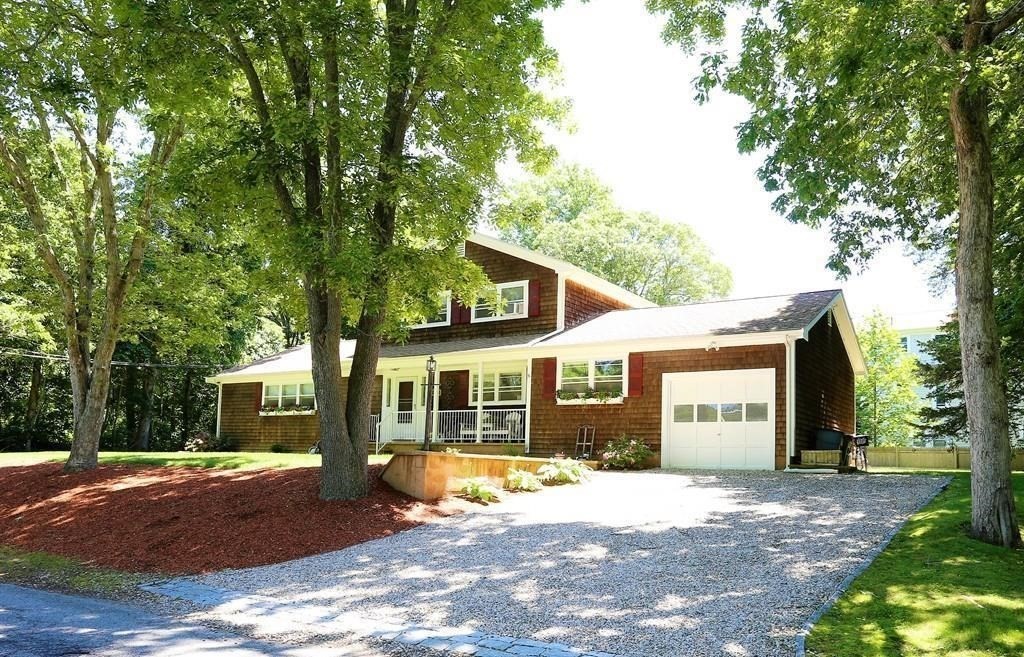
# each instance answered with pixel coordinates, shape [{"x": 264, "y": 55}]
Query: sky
[{"x": 637, "y": 126}]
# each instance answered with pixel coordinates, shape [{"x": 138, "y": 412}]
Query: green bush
[
  {"x": 204, "y": 441},
  {"x": 523, "y": 480},
  {"x": 480, "y": 489},
  {"x": 625, "y": 453},
  {"x": 564, "y": 471},
  {"x": 278, "y": 448},
  {"x": 511, "y": 450}
]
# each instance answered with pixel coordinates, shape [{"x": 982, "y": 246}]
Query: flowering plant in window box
[
  {"x": 589, "y": 396},
  {"x": 289, "y": 409}
]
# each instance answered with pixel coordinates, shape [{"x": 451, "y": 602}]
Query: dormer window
[
  {"x": 443, "y": 315},
  {"x": 512, "y": 303}
]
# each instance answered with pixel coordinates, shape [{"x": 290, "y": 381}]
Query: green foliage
[
  {"x": 564, "y": 471},
  {"x": 625, "y": 453},
  {"x": 522, "y": 480},
  {"x": 222, "y": 460},
  {"x": 933, "y": 591},
  {"x": 569, "y": 214},
  {"x": 887, "y": 404},
  {"x": 511, "y": 450},
  {"x": 480, "y": 489},
  {"x": 50, "y": 571},
  {"x": 278, "y": 448}
]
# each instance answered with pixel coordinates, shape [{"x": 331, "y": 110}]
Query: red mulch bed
[{"x": 193, "y": 520}]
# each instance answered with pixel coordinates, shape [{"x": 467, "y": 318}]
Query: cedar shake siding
[
  {"x": 583, "y": 303},
  {"x": 241, "y": 422},
  {"x": 825, "y": 397},
  {"x": 501, "y": 268},
  {"x": 553, "y": 427}
]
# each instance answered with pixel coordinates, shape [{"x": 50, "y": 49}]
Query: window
[
  {"x": 603, "y": 375},
  {"x": 499, "y": 387},
  {"x": 682, "y": 413},
  {"x": 707, "y": 412},
  {"x": 288, "y": 396},
  {"x": 757, "y": 412},
  {"x": 443, "y": 315},
  {"x": 903, "y": 343},
  {"x": 732, "y": 412},
  {"x": 509, "y": 301}
]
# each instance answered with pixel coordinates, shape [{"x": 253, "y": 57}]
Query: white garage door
[{"x": 723, "y": 419}]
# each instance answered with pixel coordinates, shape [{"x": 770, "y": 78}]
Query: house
[
  {"x": 916, "y": 330},
  {"x": 726, "y": 384}
]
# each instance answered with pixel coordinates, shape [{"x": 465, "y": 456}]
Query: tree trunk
[
  {"x": 343, "y": 473},
  {"x": 35, "y": 401},
  {"x": 993, "y": 513},
  {"x": 144, "y": 429},
  {"x": 186, "y": 406}
]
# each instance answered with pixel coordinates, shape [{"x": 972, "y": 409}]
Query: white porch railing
[{"x": 468, "y": 426}]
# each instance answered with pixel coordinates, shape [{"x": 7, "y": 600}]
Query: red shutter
[
  {"x": 460, "y": 313},
  {"x": 636, "y": 375},
  {"x": 259, "y": 397},
  {"x": 534, "y": 301},
  {"x": 548, "y": 380}
]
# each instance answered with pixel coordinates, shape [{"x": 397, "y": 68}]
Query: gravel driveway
[{"x": 652, "y": 563}]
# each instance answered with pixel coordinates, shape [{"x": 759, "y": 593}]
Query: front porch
[{"x": 482, "y": 408}]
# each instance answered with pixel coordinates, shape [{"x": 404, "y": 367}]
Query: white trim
[
  {"x": 298, "y": 383},
  {"x": 220, "y": 404},
  {"x": 841, "y": 314},
  {"x": 528, "y": 383},
  {"x": 590, "y": 378},
  {"x": 496, "y": 372},
  {"x": 498, "y": 288},
  {"x": 790, "y": 399},
  {"x": 447, "y": 318}
]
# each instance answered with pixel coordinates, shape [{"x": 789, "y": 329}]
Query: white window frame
[
  {"x": 497, "y": 291},
  {"x": 497, "y": 374},
  {"x": 591, "y": 371},
  {"x": 280, "y": 396},
  {"x": 447, "y": 304}
]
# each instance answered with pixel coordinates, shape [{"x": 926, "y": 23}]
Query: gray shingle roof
[
  {"x": 788, "y": 312},
  {"x": 472, "y": 344}
]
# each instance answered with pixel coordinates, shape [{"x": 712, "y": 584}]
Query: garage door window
[
  {"x": 682, "y": 413},
  {"x": 732, "y": 412},
  {"x": 707, "y": 412},
  {"x": 757, "y": 412}
]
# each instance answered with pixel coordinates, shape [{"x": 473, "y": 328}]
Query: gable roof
[
  {"x": 789, "y": 312},
  {"x": 564, "y": 268}
]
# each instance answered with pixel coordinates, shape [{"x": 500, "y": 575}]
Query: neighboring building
[
  {"x": 915, "y": 331},
  {"x": 728, "y": 384}
]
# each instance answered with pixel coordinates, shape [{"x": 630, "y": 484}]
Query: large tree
[
  {"x": 887, "y": 401},
  {"x": 75, "y": 103},
  {"x": 569, "y": 214},
  {"x": 375, "y": 126},
  {"x": 882, "y": 121}
]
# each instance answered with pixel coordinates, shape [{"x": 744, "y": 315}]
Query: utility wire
[{"x": 39, "y": 355}]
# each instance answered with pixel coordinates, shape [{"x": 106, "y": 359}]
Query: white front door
[{"x": 720, "y": 419}]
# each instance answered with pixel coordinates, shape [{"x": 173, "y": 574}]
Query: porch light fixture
[{"x": 428, "y": 423}]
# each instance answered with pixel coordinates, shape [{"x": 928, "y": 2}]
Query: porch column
[
  {"x": 479, "y": 401},
  {"x": 528, "y": 391}
]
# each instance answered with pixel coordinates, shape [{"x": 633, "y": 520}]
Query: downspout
[
  {"x": 790, "y": 398},
  {"x": 220, "y": 397}
]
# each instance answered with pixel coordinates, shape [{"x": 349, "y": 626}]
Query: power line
[{"x": 39, "y": 355}]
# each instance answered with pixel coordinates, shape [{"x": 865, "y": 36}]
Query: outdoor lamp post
[{"x": 428, "y": 424}]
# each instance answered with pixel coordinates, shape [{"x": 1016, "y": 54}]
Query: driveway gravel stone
[{"x": 649, "y": 563}]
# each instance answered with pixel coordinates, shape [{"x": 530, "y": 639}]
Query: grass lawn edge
[{"x": 869, "y": 558}]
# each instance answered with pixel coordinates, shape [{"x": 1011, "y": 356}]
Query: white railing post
[{"x": 480, "y": 401}]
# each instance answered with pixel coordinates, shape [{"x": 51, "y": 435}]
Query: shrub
[
  {"x": 204, "y": 441},
  {"x": 480, "y": 489},
  {"x": 511, "y": 450},
  {"x": 625, "y": 453},
  {"x": 522, "y": 480},
  {"x": 564, "y": 471},
  {"x": 278, "y": 448}
]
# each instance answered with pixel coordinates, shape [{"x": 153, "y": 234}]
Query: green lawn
[
  {"x": 229, "y": 460},
  {"x": 934, "y": 591},
  {"x": 49, "y": 571}
]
